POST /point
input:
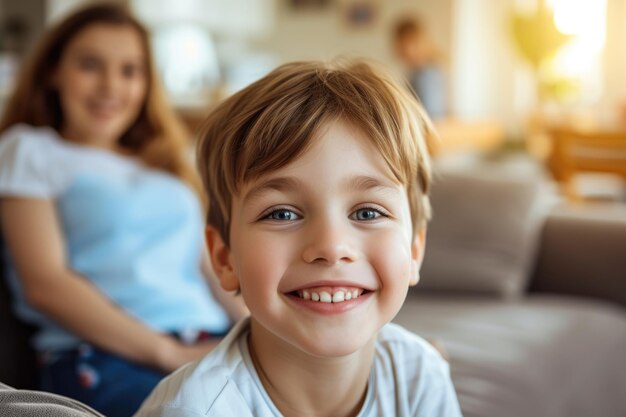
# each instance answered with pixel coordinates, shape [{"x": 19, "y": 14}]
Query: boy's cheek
[{"x": 395, "y": 264}]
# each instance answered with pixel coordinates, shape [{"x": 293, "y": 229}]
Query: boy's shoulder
[
  {"x": 196, "y": 390},
  {"x": 398, "y": 339},
  {"x": 203, "y": 385},
  {"x": 408, "y": 355},
  {"x": 411, "y": 378}
]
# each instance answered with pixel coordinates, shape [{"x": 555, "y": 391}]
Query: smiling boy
[{"x": 317, "y": 177}]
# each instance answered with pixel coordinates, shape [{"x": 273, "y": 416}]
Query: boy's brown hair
[{"x": 273, "y": 121}]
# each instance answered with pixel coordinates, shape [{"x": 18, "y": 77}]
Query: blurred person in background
[
  {"x": 101, "y": 219},
  {"x": 414, "y": 47}
]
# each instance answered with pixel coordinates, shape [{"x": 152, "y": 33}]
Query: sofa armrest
[
  {"x": 18, "y": 362},
  {"x": 583, "y": 252}
]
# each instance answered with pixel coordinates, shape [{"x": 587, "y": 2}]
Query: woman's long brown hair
[{"x": 157, "y": 136}]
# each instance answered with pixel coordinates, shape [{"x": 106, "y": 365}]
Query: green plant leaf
[{"x": 536, "y": 37}]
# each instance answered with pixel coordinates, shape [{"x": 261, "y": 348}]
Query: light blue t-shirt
[
  {"x": 408, "y": 378},
  {"x": 134, "y": 232}
]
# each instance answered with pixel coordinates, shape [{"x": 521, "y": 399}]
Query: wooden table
[
  {"x": 579, "y": 150},
  {"x": 458, "y": 136}
]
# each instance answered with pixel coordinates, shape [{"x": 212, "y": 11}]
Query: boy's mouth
[{"x": 330, "y": 294}]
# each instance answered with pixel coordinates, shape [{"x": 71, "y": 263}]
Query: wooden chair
[{"x": 583, "y": 151}]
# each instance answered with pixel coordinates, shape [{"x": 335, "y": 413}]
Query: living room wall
[{"x": 325, "y": 31}]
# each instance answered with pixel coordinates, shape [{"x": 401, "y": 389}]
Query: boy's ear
[
  {"x": 221, "y": 259},
  {"x": 417, "y": 254}
]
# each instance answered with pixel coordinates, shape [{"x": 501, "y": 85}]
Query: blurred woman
[{"x": 101, "y": 218}]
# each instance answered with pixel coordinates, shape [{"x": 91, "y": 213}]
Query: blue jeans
[{"x": 107, "y": 383}]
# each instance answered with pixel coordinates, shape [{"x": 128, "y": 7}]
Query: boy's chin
[{"x": 340, "y": 347}]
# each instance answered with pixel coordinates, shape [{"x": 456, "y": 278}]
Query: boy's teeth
[
  {"x": 326, "y": 297},
  {"x": 338, "y": 297}
]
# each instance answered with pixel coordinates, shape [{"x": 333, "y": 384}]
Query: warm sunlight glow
[
  {"x": 580, "y": 60},
  {"x": 585, "y": 20}
]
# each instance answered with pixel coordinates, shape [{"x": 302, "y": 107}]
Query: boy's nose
[{"x": 329, "y": 244}]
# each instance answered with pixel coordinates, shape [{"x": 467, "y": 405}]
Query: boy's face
[{"x": 333, "y": 225}]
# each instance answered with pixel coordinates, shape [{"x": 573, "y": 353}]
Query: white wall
[
  {"x": 487, "y": 80},
  {"x": 472, "y": 34},
  {"x": 324, "y": 34},
  {"x": 235, "y": 18}
]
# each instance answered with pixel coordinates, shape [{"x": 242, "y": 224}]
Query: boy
[{"x": 317, "y": 177}]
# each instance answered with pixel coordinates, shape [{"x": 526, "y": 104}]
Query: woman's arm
[
  {"x": 35, "y": 240},
  {"x": 233, "y": 304}
]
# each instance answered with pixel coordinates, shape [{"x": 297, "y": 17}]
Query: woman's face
[{"x": 102, "y": 82}]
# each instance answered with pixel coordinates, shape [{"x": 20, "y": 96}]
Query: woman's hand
[{"x": 35, "y": 238}]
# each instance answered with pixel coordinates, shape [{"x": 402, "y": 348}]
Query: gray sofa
[{"x": 528, "y": 298}]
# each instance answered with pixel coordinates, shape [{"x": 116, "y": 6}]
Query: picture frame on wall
[
  {"x": 360, "y": 14},
  {"x": 309, "y": 5}
]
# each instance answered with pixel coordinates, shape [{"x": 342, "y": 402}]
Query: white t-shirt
[{"x": 408, "y": 378}]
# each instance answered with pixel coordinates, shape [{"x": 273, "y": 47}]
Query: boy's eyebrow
[
  {"x": 365, "y": 183},
  {"x": 289, "y": 184},
  {"x": 282, "y": 184}
]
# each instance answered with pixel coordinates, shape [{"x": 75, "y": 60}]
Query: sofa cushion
[
  {"x": 582, "y": 252},
  {"x": 25, "y": 403},
  {"x": 545, "y": 356},
  {"x": 484, "y": 231}
]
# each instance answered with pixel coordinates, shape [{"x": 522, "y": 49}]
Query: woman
[{"x": 100, "y": 217}]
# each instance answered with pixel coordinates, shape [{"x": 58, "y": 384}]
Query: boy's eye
[
  {"x": 282, "y": 215},
  {"x": 366, "y": 213}
]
